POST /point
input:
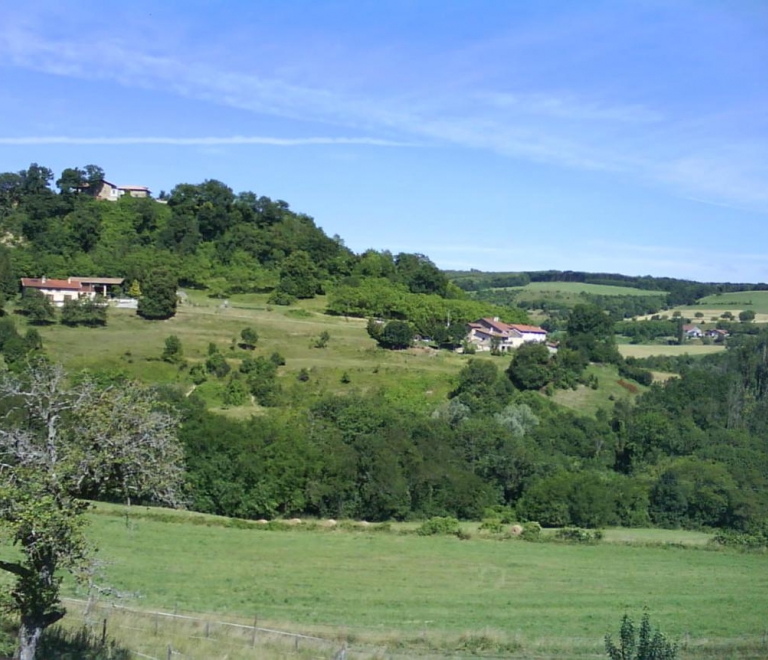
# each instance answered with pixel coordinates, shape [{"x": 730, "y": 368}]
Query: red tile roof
[
  {"x": 520, "y": 327},
  {"x": 47, "y": 283}
]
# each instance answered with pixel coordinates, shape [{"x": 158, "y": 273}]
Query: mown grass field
[
  {"x": 646, "y": 350},
  {"x": 582, "y": 287},
  {"x": 394, "y": 591}
]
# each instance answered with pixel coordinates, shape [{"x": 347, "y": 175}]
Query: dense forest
[
  {"x": 676, "y": 291},
  {"x": 691, "y": 452}
]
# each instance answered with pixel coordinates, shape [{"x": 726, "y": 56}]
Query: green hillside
[
  {"x": 757, "y": 301},
  {"x": 576, "y": 288},
  {"x": 405, "y": 594}
]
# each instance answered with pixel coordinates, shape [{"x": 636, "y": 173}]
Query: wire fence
[{"x": 160, "y": 635}]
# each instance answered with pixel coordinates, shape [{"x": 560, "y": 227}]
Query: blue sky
[{"x": 613, "y": 136}]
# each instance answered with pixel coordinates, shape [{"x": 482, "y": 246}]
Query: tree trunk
[{"x": 29, "y": 636}]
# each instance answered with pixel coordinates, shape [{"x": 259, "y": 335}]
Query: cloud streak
[
  {"x": 235, "y": 140},
  {"x": 556, "y": 127}
]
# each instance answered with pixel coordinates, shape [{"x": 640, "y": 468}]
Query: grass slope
[
  {"x": 587, "y": 401},
  {"x": 378, "y": 586},
  {"x": 754, "y": 300},
  {"x": 130, "y": 344},
  {"x": 582, "y": 287}
]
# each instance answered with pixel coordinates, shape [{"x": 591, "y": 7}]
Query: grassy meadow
[
  {"x": 587, "y": 401},
  {"x": 646, "y": 350},
  {"x": 419, "y": 376},
  {"x": 754, "y": 300},
  {"x": 402, "y": 592},
  {"x": 583, "y": 287}
]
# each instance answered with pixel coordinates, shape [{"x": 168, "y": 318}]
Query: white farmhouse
[
  {"x": 59, "y": 291},
  {"x": 488, "y": 333}
]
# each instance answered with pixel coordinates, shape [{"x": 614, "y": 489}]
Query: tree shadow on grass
[{"x": 82, "y": 644}]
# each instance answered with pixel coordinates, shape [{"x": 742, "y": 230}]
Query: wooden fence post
[{"x": 104, "y": 632}]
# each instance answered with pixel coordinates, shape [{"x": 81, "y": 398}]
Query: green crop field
[
  {"x": 582, "y": 287},
  {"x": 754, "y": 300},
  {"x": 393, "y": 591}
]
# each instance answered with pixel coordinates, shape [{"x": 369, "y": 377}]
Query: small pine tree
[
  {"x": 134, "y": 291},
  {"x": 303, "y": 375},
  {"x": 645, "y": 644}
]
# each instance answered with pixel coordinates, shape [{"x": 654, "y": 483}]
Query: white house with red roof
[
  {"x": 488, "y": 333},
  {"x": 59, "y": 291}
]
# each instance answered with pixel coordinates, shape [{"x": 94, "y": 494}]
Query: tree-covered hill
[{"x": 690, "y": 452}]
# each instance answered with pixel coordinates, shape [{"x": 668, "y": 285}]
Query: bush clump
[
  {"x": 744, "y": 540},
  {"x": 531, "y": 531},
  {"x": 579, "y": 535},
  {"x": 492, "y": 525},
  {"x": 437, "y": 525}
]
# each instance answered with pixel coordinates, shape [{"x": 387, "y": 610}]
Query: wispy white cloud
[
  {"x": 201, "y": 141},
  {"x": 559, "y": 127}
]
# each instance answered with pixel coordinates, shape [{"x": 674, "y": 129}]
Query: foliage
[
  {"x": 322, "y": 340},
  {"x": 531, "y": 531},
  {"x": 395, "y": 335},
  {"x": 438, "y": 525},
  {"x": 531, "y": 367},
  {"x": 37, "y": 307},
  {"x": 173, "y": 351},
  {"x": 643, "y": 644},
  {"x": 579, "y": 535},
  {"x": 59, "y": 444},
  {"x": 250, "y": 337},
  {"x": 217, "y": 365},
  {"x": 590, "y": 332},
  {"x": 746, "y": 315},
  {"x": 84, "y": 311},
  {"x": 159, "y": 299}
]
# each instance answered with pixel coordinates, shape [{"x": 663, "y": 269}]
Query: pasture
[
  {"x": 754, "y": 300},
  {"x": 646, "y": 350},
  {"x": 583, "y": 287},
  {"x": 402, "y": 593},
  {"x": 133, "y": 346},
  {"x": 587, "y": 401}
]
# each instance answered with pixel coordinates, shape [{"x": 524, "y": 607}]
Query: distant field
[
  {"x": 586, "y": 400},
  {"x": 646, "y": 350},
  {"x": 754, "y": 300},
  {"x": 581, "y": 287},
  {"x": 411, "y": 592}
]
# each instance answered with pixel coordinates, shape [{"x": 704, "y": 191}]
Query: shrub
[
  {"x": 645, "y": 644},
  {"x": 437, "y": 525},
  {"x": 531, "y": 531},
  {"x": 579, "y": 535},
  {"x": 322, "y": 340},
  {"x": 492, "y": 525},
  {"x": 746, "y": 541},
  {"x": 173, "y": 351},
  {"x": 505, "y": 514},
  {"x": 217, "y": 365}
]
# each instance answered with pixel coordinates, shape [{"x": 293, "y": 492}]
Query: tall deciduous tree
[
  {"x": 60, "y": 443},
  {"x": 158, "y": 300}
]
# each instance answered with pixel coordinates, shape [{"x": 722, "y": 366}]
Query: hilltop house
[
  {"x": 692, "y": 331},
  {"x": 59, "y": 291},
  {"x": 490, "y": 333},
  {"x": 105, "y": 190}
]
